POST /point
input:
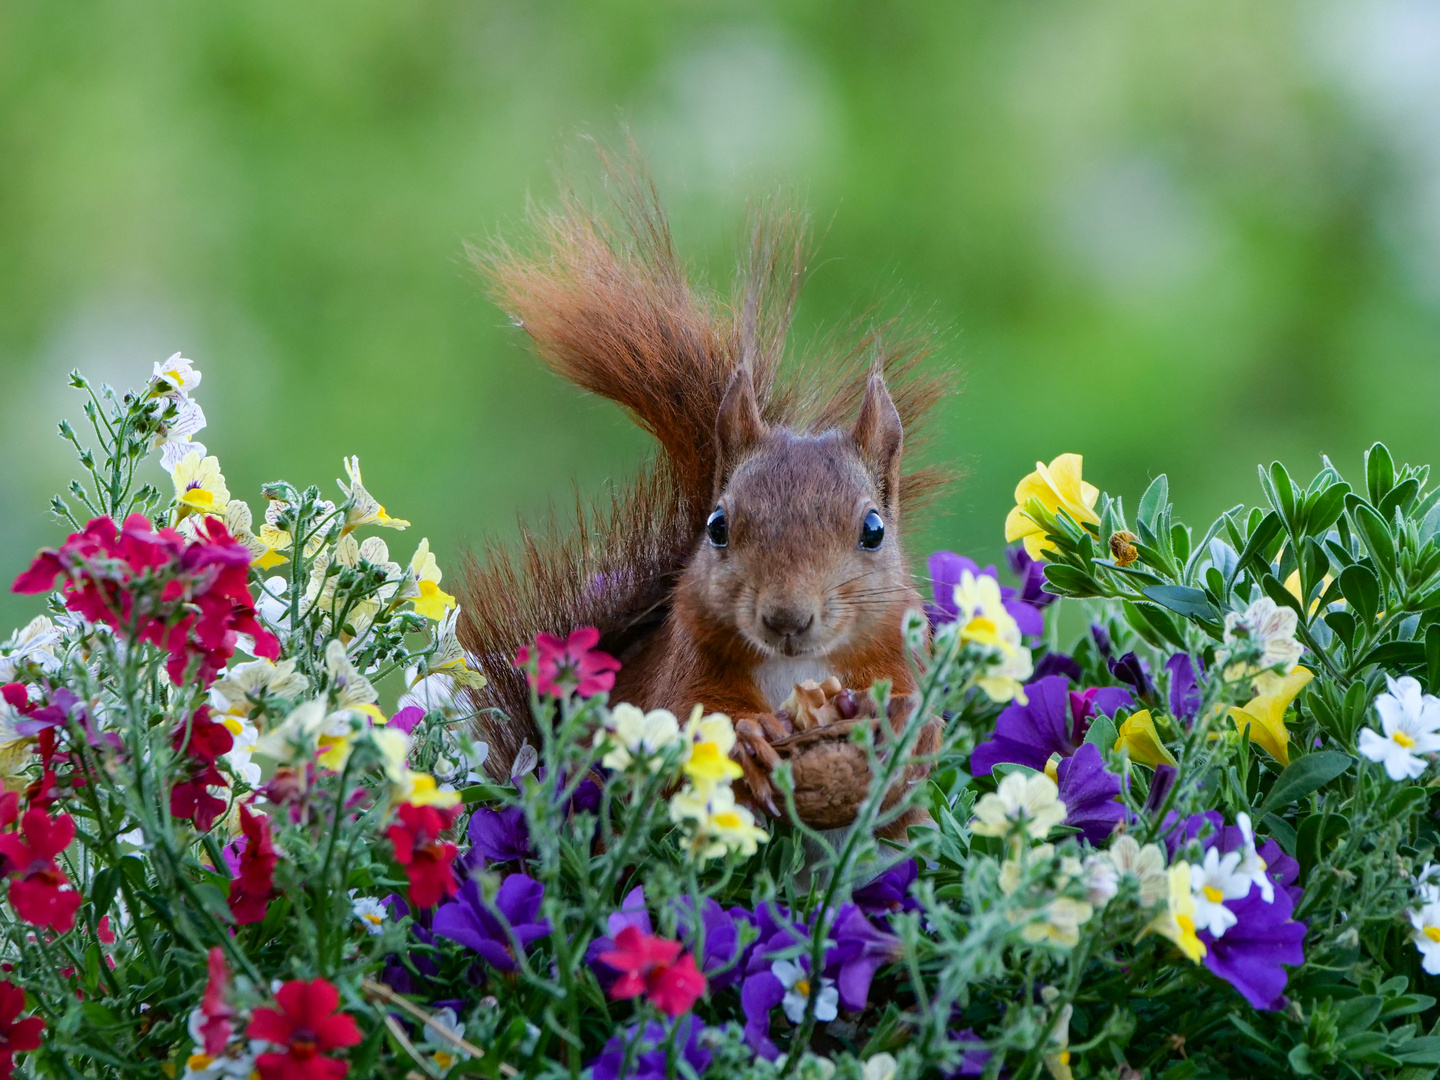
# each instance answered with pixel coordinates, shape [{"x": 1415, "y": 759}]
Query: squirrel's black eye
[
  {"x": 717, "y": 529},
  {"x": 872, "y": 531}
]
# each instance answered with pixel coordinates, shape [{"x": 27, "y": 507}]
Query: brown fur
[{"x": 798, "y": 461}]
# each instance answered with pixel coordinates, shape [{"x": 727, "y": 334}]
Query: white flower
[
  {"x": 1411, "y": 722},
  {"x": 237, "y": 1063},
  {"x": 434, "y": 693},
  {"x": 632, "y": 733},
  {"x": 1102, "y": 879},
  {"x": 176, "y": 375},
  {"x": 299, "y": 731},
  {"x": 35, "y": 644},
  {"x": 796, "y": 980},
  {"x": 1427, "y": 883},
  {"x": 350, "y": 687},
  {"x": 1264, "y": 636},
  {"x": 880, "y": 1067},
  {"x": 449, "y": 657},
  {"x": 981, "y": 618},
  {"x": 173, "y": 438},
  {"x": 244, "y": 737},
  {"x": 1030, "y": 802},
  {"x": 244, "y": 685},
  {"x": 1426, "y": 922},
  {"x": 1252, "y": 866},
  {"x": 271, "y": 603},
  {"x": 369, "y": 911},
  {"x": 446, "y": 1052},
  {"x": 1211, "y": 883}
]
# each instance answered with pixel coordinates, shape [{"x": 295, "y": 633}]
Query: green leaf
[
  {"x": 1102, "y": 734},
  {"x": 1258, "y": 543},
  {"x": 1281, "y": 595},
  {"x": 1183, "y": 601},
  {"x": 1154, "y": 625},
  {"x": 1302, "y": 776},
  {"x": 1379, "y": 473},
  {"x": 1406, "y": 801},
  {"x": 1068, "y": 581},
  {"x": 1281, "y": 831},
  {"x": 1155, "y": 500},
  {"x": 1362, "y": 589},
  {"x": 1284, "y": 492},
  {"x": 1378, "y": 541},
  {"x": 1325, "y": 508},
  {"x": 1406, "y": 654},
  {"x": 1400, "y": 496}
]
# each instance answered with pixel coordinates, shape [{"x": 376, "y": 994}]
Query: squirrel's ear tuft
[
  {"x": 879, "y": 436},
  {"x": 738, "y": 428}
]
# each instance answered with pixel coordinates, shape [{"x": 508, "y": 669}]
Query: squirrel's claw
[{"x": 757, "y": 759}]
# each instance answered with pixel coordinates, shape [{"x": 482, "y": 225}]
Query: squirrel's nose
[{"x": 787, "y": 622}]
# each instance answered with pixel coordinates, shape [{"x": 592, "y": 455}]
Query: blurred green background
[{"x": 1182, "y": 237}]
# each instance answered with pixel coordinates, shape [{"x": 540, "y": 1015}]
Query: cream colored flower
[
  {"x": 719, "y": 826},
  {"x": 36, "y": 643},
  {"x": 1060, "y": 923},
  {"x": 1177, "y": 920},
  {"x": 1145, "y": 865},
  {"x": 173, "y": 438},
  {"x": 244, "y": 685},
  {"x": 364, "y": 508},
  {"x": 431, "y": 600},
  {"x": 982, "y": 619},
  {"x": 1023, "y": 802},
  {"x": 239, "y": 523},
  {"x": 348, "y": 685},
  {"x": 449, "y": 657},
  {"x": 1265, "y": 630},
  {"x": 631, "y": 733},
  {"x": 199, "y": 485},
  {"x": 176, "y": 375},
  {"x": 407, "y": 785}
]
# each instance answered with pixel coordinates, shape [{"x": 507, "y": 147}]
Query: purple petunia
[
  {"x": 1089, "y": 792},
  {"x": 722, "y": 957},
  {"x": 1031, "y": 573},
  {"x": 1054, "y": 721},
  {"x": 500, "y": 835},
  {"x": 890, "y": 892},
  {"x": 946, "y": 569},
  {"x": 1134, "y": 673},
  {"x": 495, "y": 931},
  {"x": 860, "y": 950},
  {"x": 1251, "y": 955},
  {"x": 646, "y": 1049},
  {"x": 1185, "y": 673},
  {"x": 974, "y": 1057}
]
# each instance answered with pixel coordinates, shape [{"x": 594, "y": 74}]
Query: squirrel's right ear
[{"x": 738, "y": 428}]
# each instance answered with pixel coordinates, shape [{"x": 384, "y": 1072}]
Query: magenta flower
[{"x": 571, "y": 666}]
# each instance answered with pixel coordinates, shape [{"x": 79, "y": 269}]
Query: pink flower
[
  {"x": 653, "y": 966},
  {"x": 216, "y": 1028},
  {"x": 426, "y": 857},
  {"x": 306, "y": 1028},
  {"x": 572, "y": 666},
  {"x": 253, "y": 885},
  {"x": 41, "y": 894}
]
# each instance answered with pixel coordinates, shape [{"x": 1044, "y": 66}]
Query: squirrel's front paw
[{"x": 754, "y": 751}]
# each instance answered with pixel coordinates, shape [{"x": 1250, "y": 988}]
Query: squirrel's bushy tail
[{"x": 607, "y": 304}]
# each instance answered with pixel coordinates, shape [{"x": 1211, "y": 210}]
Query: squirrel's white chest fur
[{"x": 776, "y": 677}]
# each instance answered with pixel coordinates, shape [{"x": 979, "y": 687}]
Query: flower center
[
  {"x": 444, "y": 1060},
  {"x": 302, "y": 1045},
  {"x": 1403, "y": 739},
  {"x": 1052, "y": 767},
  {"x": 373, "y": 919},
  {"x": 197, "y": 1062},
  {"x": 802, "y": 986},
  {"x": 1433, "y": 933},
  {"x": 727, "y": 819},
  {"x": 1213, "y": 894}
]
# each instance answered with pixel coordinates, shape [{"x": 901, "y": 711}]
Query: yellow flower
[
  {"x": 238, "y": 523},
  {"x": 720, "y": 825},
  {"x": 364, "y": 508},
  {"x": 1292, "y": 586},
  {"x": 983, "y": 620},
  {"x": 1264, "y": 715},
  {"x": 1058, "y": 487},
  {"x": 711, "y": 739},
  {"x": 407, "y": 785},
  {"x": 1177, "y": 921},
  {"x": 449, "y": 656},
  {"x": 433, "y": 601},
  {"x": 1138, "y": 735},
  {"x": 199, "y": 486},
  {"x": 1061, "y": 924}
]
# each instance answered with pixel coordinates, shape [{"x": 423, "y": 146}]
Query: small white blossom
[
  {"x": 796, "y": 980},
  {"x": 1427, "y": 883},
  {"x": 176, "y": 375},
  {"x": 271, "y": 605},
  {"x": 370, "y": 912},
  {"x": 1252, "y": 866},
  {"x": 1212, "y": 882},
  {"x": 632, "y": 733},
  {"x": 175, "y": 438},
  {"x": 1264, "y": 628},
  {"x": 1410, "y": 721},
  {"x": 1426, "y": 921}
]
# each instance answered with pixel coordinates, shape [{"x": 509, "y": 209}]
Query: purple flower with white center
[
  {"x": 722, "y": 959},
  {"x": 946, "y": 569},
  {"x": 632, "y": 913},
  {"x": 647, "y": 1052},
  {"x": 1265, "y": 936},
  {"x": 890, "y": 892},
  {"x": 494, "y": 931},
  {"x": 860, "y": 950},
  {"x": 1089, "y": 792},
  {"x": 1031, "y": 573},
  {"x": 1054, "y": 721},
  {"x": 1184, "y": 672}
]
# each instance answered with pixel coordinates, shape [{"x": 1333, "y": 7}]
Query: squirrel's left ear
[{"x": 878, "y": 436}]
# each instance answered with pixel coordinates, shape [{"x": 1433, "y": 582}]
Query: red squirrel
[{"x": 762, "y": 547}]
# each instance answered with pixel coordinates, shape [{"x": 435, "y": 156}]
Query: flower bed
[{"x": 1195, "y": 841}]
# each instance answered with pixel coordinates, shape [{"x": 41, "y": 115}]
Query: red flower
[
  {"x": 570, "y": 666},
  {"x": 424, "y": 855},
  {"x": 15, "y": 1035},
  {"x": 216, "y": 1028},
  {"x": 191, "y": 798},
  {"x": 40, "y": 893},
  {"x": 649, "y": 965},
  {"x": 253, "y": 886},
  {"x": 193, "y": 600},
  {"x": 307, "y": 1025}
]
